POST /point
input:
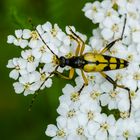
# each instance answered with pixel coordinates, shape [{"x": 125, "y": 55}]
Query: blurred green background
[{"x": 16, "y": 123}]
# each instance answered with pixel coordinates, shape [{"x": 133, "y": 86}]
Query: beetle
[{"x": 91, "y": 62}]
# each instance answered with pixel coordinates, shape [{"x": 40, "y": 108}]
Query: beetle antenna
[
  {"x": 73, "y": 32},
  {"x": 37, "y": 93},
  {"x": 31, "y": 23},
  {"x": 46, "y": 44},
  {"x": 32, "y": 101},
  {"x": 124, "y": 26},
  {"x": 40, "y": 37}
]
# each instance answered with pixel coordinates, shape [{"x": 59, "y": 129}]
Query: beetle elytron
[{"x": 91, "y": 62}]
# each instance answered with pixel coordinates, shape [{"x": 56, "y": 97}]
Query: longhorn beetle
[{"x": 91, "y": 62}]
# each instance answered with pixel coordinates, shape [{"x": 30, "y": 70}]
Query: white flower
[
  {"x": 10, "y": 39},
  {"x": 81, "y": 107},
  {"x": 67, "y": 111},
  {"x": 44, "y": 80},
  {"x": 59, "y": 132},
  {"x": 19, "y": 66},
  {"x": 17, "y": 40},
  {"x": 110, "y": 97},
  {"x": 96, "y": 42},
  {"x": 126, "y": 129},
  {"x": 90, "y": 111},
  {"x": 136, "y": 117},
  {"x": 91, "y": 93},
  {"x": 27, "y": 34},
  {"x": 135, "y": 99},
  {"x": 124, "y": 101},
  {"x": 135, "y": 37},
  {"x": 27, "y": 84},
  {"x": 32, "y": 63},
  {"x": 94, "y": 12},
  {"x": 51, "y": 34},
  {"x": 133, "y": 79},
  {"x": 77, "y": 130},
  {"x": 41, "y": 52},
  {"x": 55, "y": 38},
  {"x": 71, "y": 96},
  {"x": 91, "y": 77},
  {"x": 103, "y": 127},
  {"x": 112, "y": 28},
  {"x": 131, "y": 54},
  {"x": 32, "y": 37}
]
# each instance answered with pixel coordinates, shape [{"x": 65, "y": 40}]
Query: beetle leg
[
  {"x": 112, "y": 81},
  {"x": 108, "y": 47},
  {"x": 84, "y": 78},
  {"x": 71, "y": 74},
  {"x": 82, "y": 49},
  {"x": 82, "y": 87},
  {"x": 115, "y": 85},
  {"x": 79, "y": 40}
]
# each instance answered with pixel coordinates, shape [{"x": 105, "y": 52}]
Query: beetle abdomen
[{"x": 98, "y": 63}]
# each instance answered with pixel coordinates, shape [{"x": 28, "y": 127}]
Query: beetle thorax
[{"x": 75, "y": 62}]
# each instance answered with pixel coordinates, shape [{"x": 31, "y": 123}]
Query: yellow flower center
[
  {"x": 115, "y": 28},
  {"x": 119, "y": 77},
  {"x": 136, "y": 76},
  {"x": 133, "y": 94},
  {"x": 132, "y": 15},
  {"x": 94, "y": 8},
  {"x": 104, "y": 126},
  {"x": 114, "y": 2},
  {"x": 19, "y": 39},
  {"x": 130, "y": 57},
  {"x": 17, "y": 67},
  {"x": 43, "y": 49},
  {"x": 114, "y": 51},
  {"x": 124, "y": 115},
  {"x": 90, "y": 115},
  {"x": 71, "y": 113},
  {"x": 30, "y": 58},
  {"x": 90, "y": 77},
  {"x": 113, "y": 94},
  {"x": 95, "y": 95},
  {"x": 80, "y": 131},
  {"x": 126, "y": 134},
  {"x": 34, "y": 35},
  {"x": 55, "y": 60},
  {"x": 54, "y": 32},
  {"x": 74, "y": 97},
  {"x": 108, "y": 14},
  {"x": 43, "y": 76},
  {"x": 61, "y": 133},
  {"x": 27, "y": 86}
]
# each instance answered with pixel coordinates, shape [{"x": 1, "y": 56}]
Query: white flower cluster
[
  {"x": 95, "y": 111},
  {"x": 35, "y": 67},
  {"x": 82, "y": 117}
]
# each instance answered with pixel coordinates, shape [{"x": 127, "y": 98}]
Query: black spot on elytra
[
  {"x": 106, "y": 68},
  {"x": 107, "y": 58},
  {"x": 118, "y": 64}
]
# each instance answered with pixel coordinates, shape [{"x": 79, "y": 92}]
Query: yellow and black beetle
[{"x": 91, "y": 62}]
